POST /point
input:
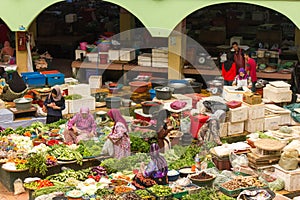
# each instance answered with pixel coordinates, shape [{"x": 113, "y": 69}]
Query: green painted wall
[
  {"x": 162, "y": 16},
  {"x": 159, "y": 16},
  {"x": 16, "y": 13}
]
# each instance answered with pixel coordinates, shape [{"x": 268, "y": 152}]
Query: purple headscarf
[
  {"x": 245, "y": 74},
  {"x": 159, "y": 160}
]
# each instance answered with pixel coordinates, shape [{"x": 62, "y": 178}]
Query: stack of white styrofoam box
[
  {"x": 285, "y": 118},
  {"x": 278, "y": 92},
  {"x": 71, "y": 81},
  {"x": 6, "y": 115},
  {"x": 235, "y": 128},
  {"x": 95, "y": 82},
  {"x": 160, "y": 57},
  {"x": 66, "y": 110},
  {"x": 238, "y": 114},
  {"x": 144, "y": 60},
  {"x": 272, "y": 122},
  {"x": 231, "y": 94},
  {"x": 85, "y": 101},
  {"x": 256, "y": 114},
  {"x": 224, "y": 129},
  {"x": 113, "y": 54},
  {"x": 78, "y": 52},
  {"x": 291, "y": 178},
  {"x": 82, "y": 89},
  {"x": 93, "y": 57},
  {"x": 127, "y": 54}
]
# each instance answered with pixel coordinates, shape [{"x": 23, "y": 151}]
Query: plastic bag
[
  {"x": 289, "y": 159},
  {"x": 213, "y": 106},
  {"x": 18, "y": 187},
  {"x": 108, "y": 148},
  {"x": 219, "y": 180},
  {"x": 238, "y": 160}
]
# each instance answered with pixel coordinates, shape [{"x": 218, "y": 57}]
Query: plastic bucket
[
  {"x": 152, "y": 94},
  {"x": 197, "y": 122},
  {"x": 83, "y": 45}
]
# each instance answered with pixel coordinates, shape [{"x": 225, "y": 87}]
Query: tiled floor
[{"x": 6, "y": 195}]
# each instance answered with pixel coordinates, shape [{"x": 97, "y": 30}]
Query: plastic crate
[
  {"x": 34, "y": 79},
  {"x": 55, "y": 79},
  {"x": 231, "y": 193},
  {"x": 50, "y": 72}
]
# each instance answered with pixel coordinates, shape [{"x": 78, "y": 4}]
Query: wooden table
[
  {"x": 201, "y": 71},
  {"x": 18, "y": 113}
]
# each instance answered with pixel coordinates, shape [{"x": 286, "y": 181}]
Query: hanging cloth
[{"x": 29, "y": 56}]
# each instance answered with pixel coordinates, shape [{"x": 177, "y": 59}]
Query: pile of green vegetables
[
  {"x": 36, "y": 163},
  {"x": 66, "y": 153},
  {"x": 73, "y": 97},
  {"x": 207, "y": 194},
  {"x": 161, "y": 190},
  {"x": 141, "y": 141},
  {"x": 80, "y": 175},
  {"x": 129, "y": 163},
  {"x": 90, "y": 148},
  {"x": 37, "y": 127}
]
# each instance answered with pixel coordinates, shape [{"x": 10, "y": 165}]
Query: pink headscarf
[
  {"x": 116, "y": 115},
  {"x": 85, "y": 110}
]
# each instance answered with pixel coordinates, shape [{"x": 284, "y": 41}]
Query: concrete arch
[
  {"x": 16, "y": 13},
  {"x": 160, "y": 17}
]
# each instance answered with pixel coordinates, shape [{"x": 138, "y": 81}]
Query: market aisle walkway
[{"x": 6, "y": 195}]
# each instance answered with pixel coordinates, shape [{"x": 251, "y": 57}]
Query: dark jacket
[{"x": 54, "y": 112}]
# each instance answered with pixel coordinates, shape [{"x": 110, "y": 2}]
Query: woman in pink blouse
[
  {"x": 81, "y": 127},
  {"x": 119, "y": 134}
]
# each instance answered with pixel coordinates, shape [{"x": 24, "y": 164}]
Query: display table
[
  {"x": 8, "y": 177},
  {"x": 202, "y": 70},
  {"x": 28, "y": 112}
]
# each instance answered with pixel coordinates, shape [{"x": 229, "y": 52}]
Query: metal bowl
[{"x": 23, "y": 103}]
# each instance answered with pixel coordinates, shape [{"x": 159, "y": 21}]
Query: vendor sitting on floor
[
  {"x": 156, "y": 171},
  {"x": 242, "y": 79},
  {"x": 81, "y": 127},
  {"x": 15, "y": 88}
]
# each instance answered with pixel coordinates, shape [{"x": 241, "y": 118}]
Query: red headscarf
[{"x": 116, "y": 115}]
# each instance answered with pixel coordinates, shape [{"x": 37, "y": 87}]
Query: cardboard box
[
  {"x": 238, "y": 114},
  {"x": 113, "y": 54},
  {"x": 277, "y": 97},
  {"x": 252, "y": 98},
  {"x": 285, "y": 118},
  {"x": 127, "y": 54},
  {"x": 291, "y": 178},
  {"x": 253, "y": 125},
  {"x": 95, "y": 82},
  {"x": 235, "y": 128},
  {"x": 92, "y": 57},
  {"x": 162, "y": 52},
  {"x": 255, "y": 111},
  {"x": 272, "y": 122},
  {"x": 230, "y": 94},
  {"x": 224, "y": 129}
]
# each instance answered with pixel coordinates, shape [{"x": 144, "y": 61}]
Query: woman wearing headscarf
[
  {"x": 54, "y": 105},
  {"x": 210, "y": 131},
  {"x": 156, "y": 171},
  {"x": 81, "y": 127},
  {"x": 229, "y": 69},
  {"x": 162, "y": 129},
  {"x": 7, "y": 50},
  {"x": 242, "y": 79},
  {"x": 119, "y": 134},
  {"x": 15, "y": 88}
]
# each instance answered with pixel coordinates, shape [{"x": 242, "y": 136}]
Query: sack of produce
[
  {"x": 18, "y": 187},
  {"x": 289, "y": 159}
]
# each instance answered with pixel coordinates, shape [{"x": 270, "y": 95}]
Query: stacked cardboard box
[{"x": 160, "y": 57}]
